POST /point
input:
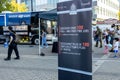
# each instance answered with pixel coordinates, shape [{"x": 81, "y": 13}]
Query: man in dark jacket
[
  {"x": 12, "y": 45},
  {"x": 98, "y": 35}
]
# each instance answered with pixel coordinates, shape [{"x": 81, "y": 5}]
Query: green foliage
[
  {"x": 15, "y": 7},
  {"x": 11, "y": 5},
  {"x": 4, "y": 5},
  {"x": 119, "y": 15}
]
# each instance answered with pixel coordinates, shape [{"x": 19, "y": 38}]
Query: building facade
[
  {"x": 31, "y": 4},
  {"x": 45, "y": 5},
  {"x": 40, "y": 5},
  {"x": 102, "y": 9},
  {"x": 105, "y": 9}
]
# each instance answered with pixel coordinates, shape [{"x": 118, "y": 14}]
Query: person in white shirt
[
  {"x": 115, "y": 47},
  {"x": 117, "y": 29},
  {"x": 118, "y": 32},
  {"x": 112, "y": 35},
  {"x": 106, "y": 40}
]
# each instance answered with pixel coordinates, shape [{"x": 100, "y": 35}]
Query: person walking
[
  {"x": 106, "y": 41},
  {"x": 44, "y": 41},
  {"x": 117, "y": 32},
  {"x": 115, "y": 47},
  {"x": 12, "y": 45},
  {"x": 112, "y": 35},
  {"x": 98, "y": 35}
]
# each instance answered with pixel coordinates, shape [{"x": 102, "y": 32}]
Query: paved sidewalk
[
  {"x": 105, "y": 67},
  {"x": 34, "y": 67},
  {"x": 30, "y": 50},
  {"x": 29, "y": 67}
]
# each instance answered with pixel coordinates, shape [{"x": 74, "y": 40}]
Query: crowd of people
[{"x": 109, "y": 38}]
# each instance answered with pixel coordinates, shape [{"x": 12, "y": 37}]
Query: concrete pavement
[
  {"x": 105, "y": 67},
  {"x": 30, "y": 66},
  {"x": 34, "y": 67}
]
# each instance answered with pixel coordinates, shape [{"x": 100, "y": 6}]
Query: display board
[{"x": 75, "y": 40}]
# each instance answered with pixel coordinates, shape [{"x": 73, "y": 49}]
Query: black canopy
[{"x": 50, "y": 15}]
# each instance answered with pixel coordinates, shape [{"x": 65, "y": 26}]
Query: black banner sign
[{"x": 75, "y": 41}]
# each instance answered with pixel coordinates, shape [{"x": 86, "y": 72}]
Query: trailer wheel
[{"x": 36, "y": 41}]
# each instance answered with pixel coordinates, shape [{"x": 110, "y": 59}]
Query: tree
[
  {"x": 119, "y": 15},
  {"x": 12, "y": 5},
  {"x": 4, "y": 5},
  {"x": 17, "y": 7}
]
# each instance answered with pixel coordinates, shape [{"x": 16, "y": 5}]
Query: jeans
[{"x": 44, "y": 42}]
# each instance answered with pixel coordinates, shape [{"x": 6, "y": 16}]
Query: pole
[
  {"x": 40, "y": 53},
  {"x": 31, "y": 5},
  {"x": 5, "y": 19},
  {"x": 17, "y": 5},
  {"x": 39, "y": 38}
]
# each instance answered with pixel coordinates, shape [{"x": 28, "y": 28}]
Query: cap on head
[
  {"x": 10, "y": 28},
  {"x": 117, "y": 39},
  {"x": 113, "y": 25},
  {"x": 97, "y": 27}
]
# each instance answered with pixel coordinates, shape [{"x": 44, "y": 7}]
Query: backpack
[{"x": 17, "y": 38}]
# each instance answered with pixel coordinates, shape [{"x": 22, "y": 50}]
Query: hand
[{"x": 8, "y": 43}]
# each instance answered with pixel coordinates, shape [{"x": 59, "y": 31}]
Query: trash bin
[{"x": 55, "y": 47}]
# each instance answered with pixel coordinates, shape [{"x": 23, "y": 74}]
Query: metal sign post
[{"x": 39, "y": 38}]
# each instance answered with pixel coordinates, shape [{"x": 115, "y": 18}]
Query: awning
[{"x": 50, "y": 15}]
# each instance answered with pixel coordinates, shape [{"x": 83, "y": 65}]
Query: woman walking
[{"x": 44, "y": 41}]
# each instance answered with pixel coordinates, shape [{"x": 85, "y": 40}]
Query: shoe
[
  {"x": 46, "y": 46},
  {"x": 41, "y": 47},
  {"x": 17, "y": 58},
  {"x": 42, "y": 54},
  {"x": 96, "y": 46},
  {"x": 111, "y": 51},
  {"x": 7, "y": 59}
]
